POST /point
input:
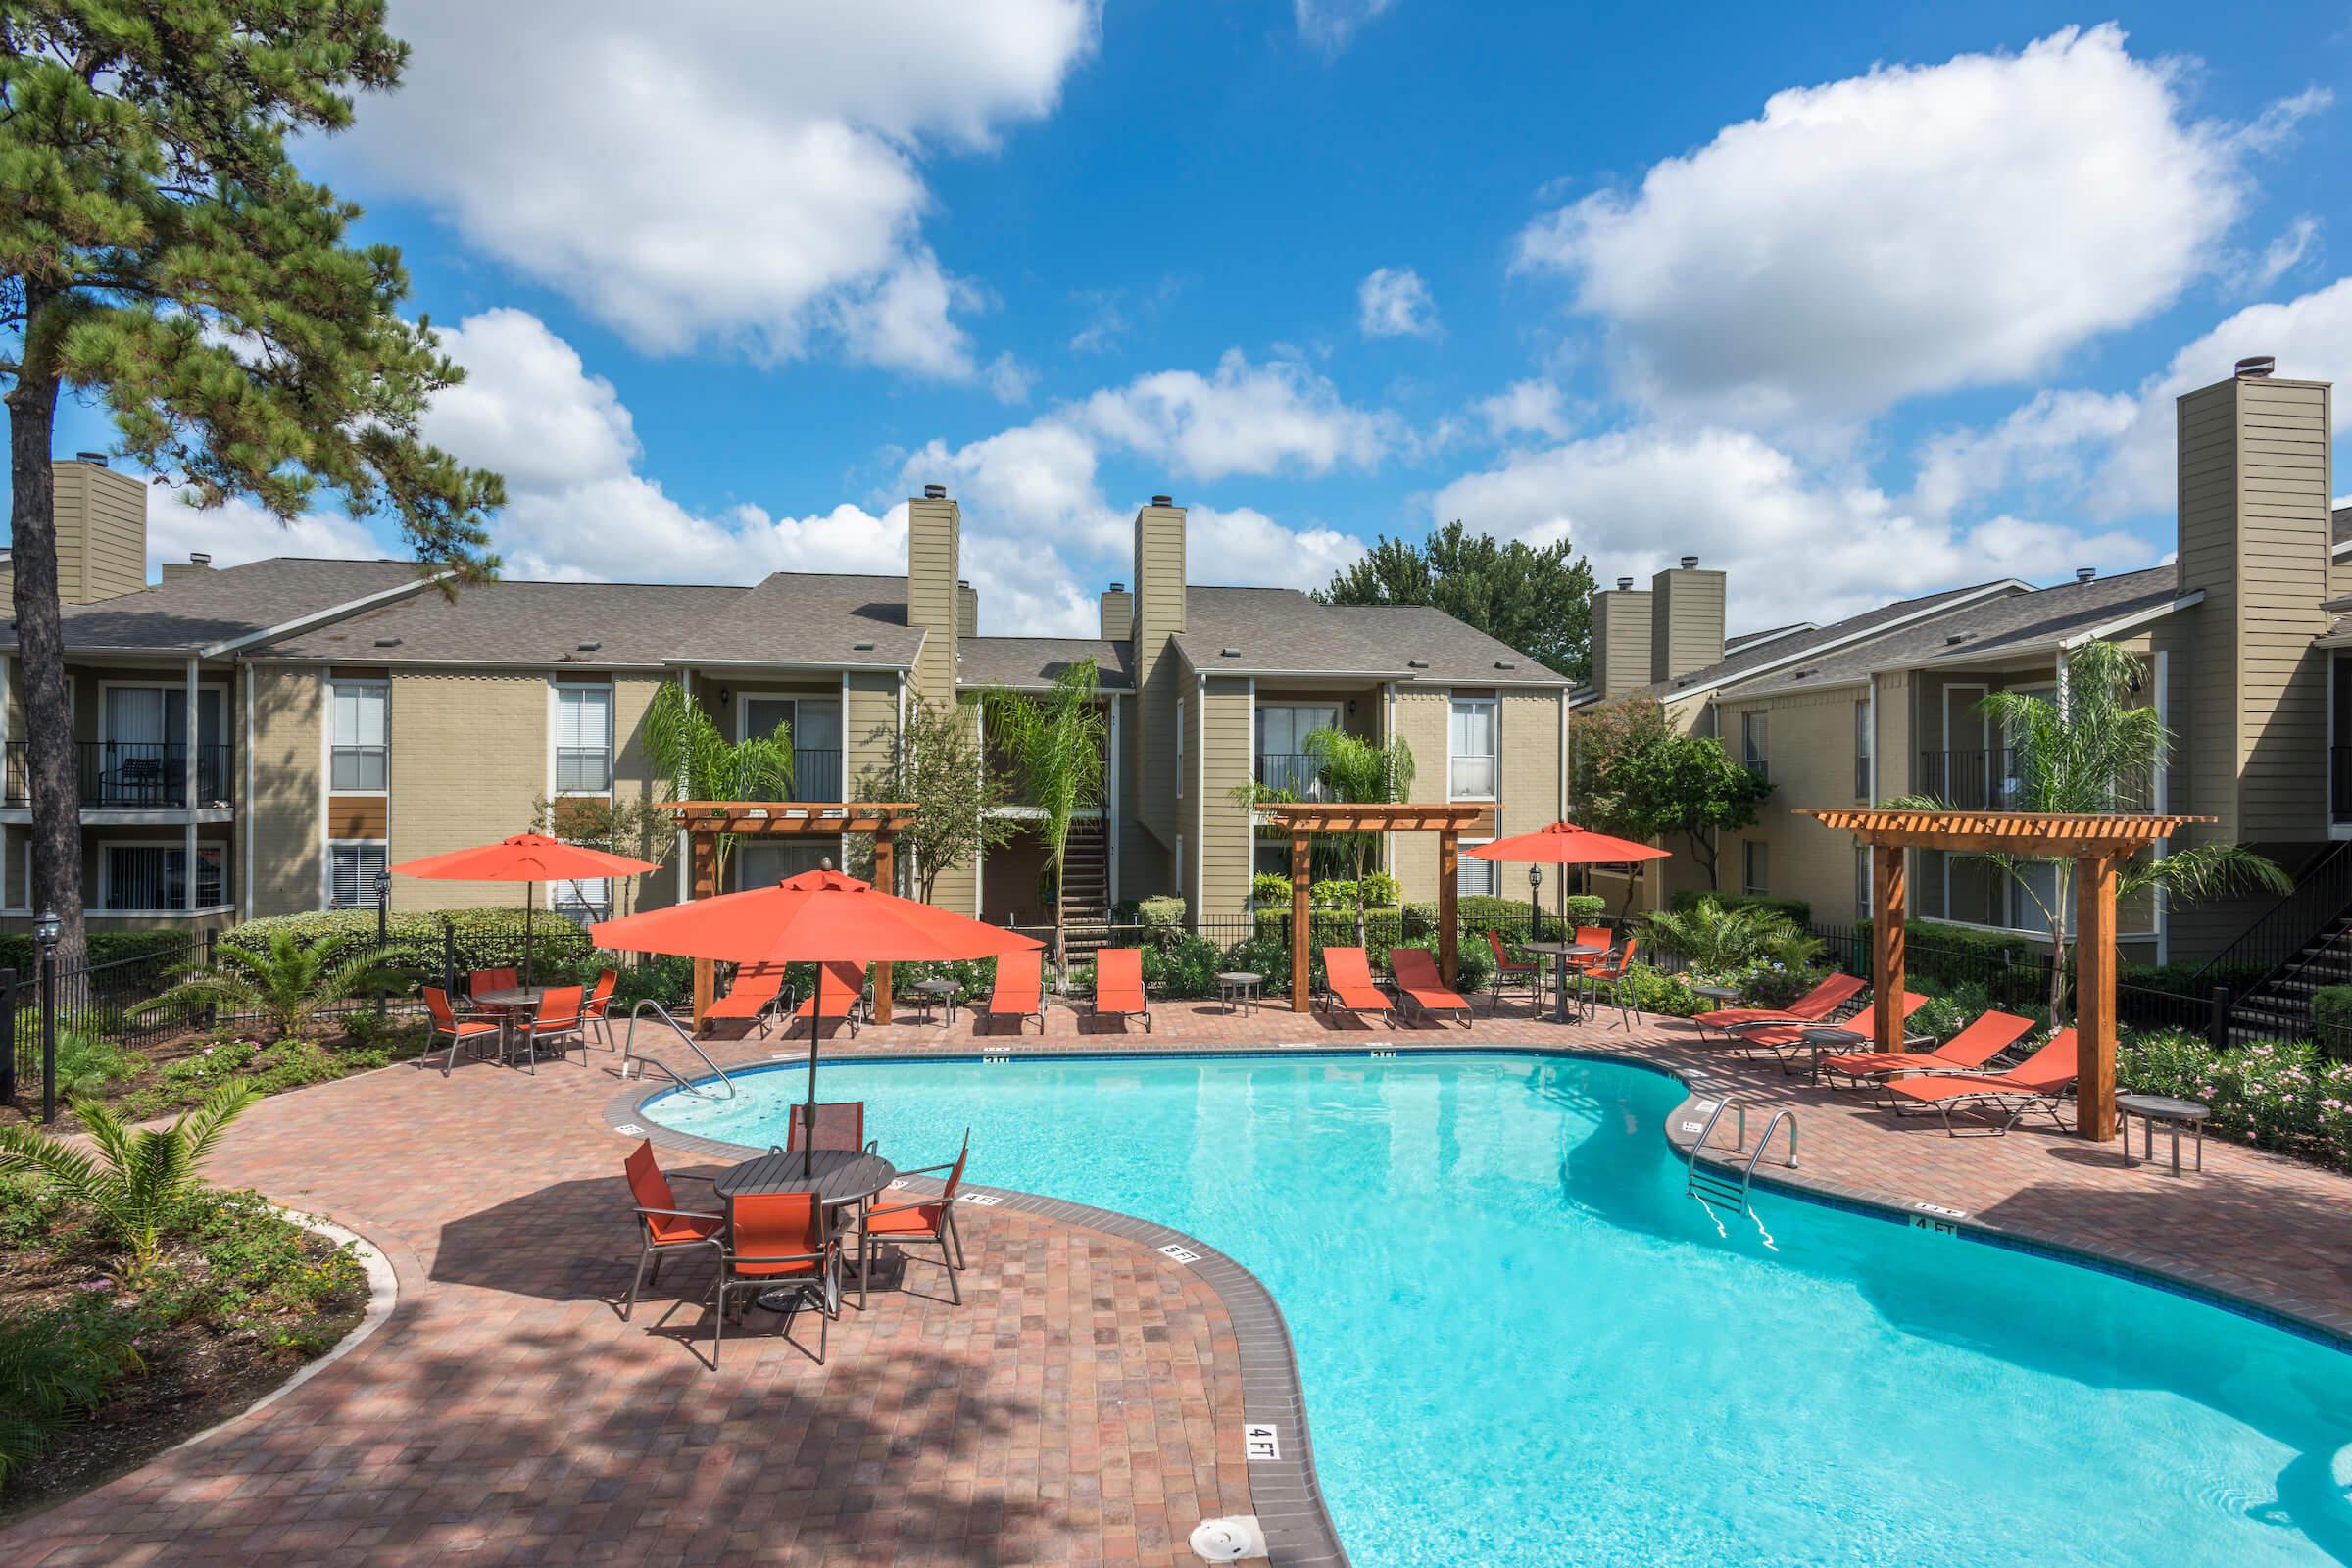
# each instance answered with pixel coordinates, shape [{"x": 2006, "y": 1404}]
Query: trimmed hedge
[
  {"x": 2332, "y": 1015},
  {"x": 485, "y": 939},
  {"x": 19, "y": 951},
  {"x": 1797, "y": 909}
]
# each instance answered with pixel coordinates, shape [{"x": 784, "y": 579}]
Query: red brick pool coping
[{"x": 618, "y": 1450}]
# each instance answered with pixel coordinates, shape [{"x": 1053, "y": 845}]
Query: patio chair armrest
[
  {"x": 689, "y": 1176},
  {"x": 682, "y": 1213},
  {"x": 925, "y": 1170}
]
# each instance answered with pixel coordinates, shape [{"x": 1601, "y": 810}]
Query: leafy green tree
[
  {"x": 137, "y": 1179},
  {"x": 1058, "y": 745},
  {"x": 288, "y": 985},
  {"x": 1633, "y": 774},
  {"x": 635, "y": 825},
  {"x": 1360, "y": 773},
  {"x": 162, "y": 257},
  {"x": 697, "y": 761},
  {"x": 936, "y": 765},
  {"x": 2094, "y": 749},
  {"x": 1534, "y": 598}
]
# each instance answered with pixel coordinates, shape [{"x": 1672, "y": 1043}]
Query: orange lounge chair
[
  {"x": 1347, "y": 986},
  {"x": 2037, "y": 1082},
  {"x": 927, "y": 1221},
  {"x": 776, "y": 1239},
  {"x": 1787, "y": 1041},
  {"x": 1419, "y": 984},
  {"x": 844, "y": 997},
  {"x": 1814, "y": 1006},
  {"x": 750, "y": 1002},
  {"x": 1119, "y": 985},
  {"x": 1971, "y": 1049},
  {"x": 664, "y": 1227},
  {"x": 1019, "y": 993}
]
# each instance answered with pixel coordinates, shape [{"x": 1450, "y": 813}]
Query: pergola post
[
  {"x": 1888, "y": 910},
  {"x": 705, "y": 883},
  {"x": 1301, "y": 999},
  {"x": 884, "y": 847},
  {"x": 1449, "y": 894},
  {"x": 2094, "y": 998}
]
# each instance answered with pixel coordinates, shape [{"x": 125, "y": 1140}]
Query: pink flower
[{"x": 102, "y": 1283}]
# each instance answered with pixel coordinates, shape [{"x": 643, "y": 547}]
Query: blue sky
[{"x": 1854, "y": 302}]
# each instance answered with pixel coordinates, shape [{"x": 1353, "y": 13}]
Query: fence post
[
  {"x": 2216, "y": 1028},
  {"x": 49, "y": 1033},
  {"x": 449, "y": 956}
]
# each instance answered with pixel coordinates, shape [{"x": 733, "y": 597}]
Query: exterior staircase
[
  {"x": 1085, "y": 887},
  {"x": 2304, "y": 943},
  {"x": 2278, "y": 1006}
]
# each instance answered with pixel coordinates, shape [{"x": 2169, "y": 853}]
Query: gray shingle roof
[
  {"x": 534, "y": 623},
  {"x": 807, "y": 619},
  {"x": 1283, "y": 631},
  {"x": 208, "y": 609},
  {"x": 1739, "y": 640},
  {"x": 1035, "y": 662},
  {"x": 2012, "y": 623},
  {"x": 1755, "y": 657}
]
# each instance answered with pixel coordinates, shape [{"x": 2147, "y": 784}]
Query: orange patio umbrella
[
  {"x": 1564, "y": 843},
  {"x": 529, "y": 858},
  {"x": 818, "y": 918}
]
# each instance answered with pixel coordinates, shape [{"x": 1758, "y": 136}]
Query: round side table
[{"x": 2174, "y": 1114}]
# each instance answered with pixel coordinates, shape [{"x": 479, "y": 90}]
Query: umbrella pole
[
  {"x": 531, "y": 890},
  {"x": 816, "y": 1018}
]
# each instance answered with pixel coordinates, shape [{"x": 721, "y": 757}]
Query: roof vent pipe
[
  {"x": 1163, "y": 500},
  {"x": 2086, "y": 574},
  {"x": 935, "y": 492},
  {"x": 1118, "y": 587},
  {"x": 1625, "y": 584},
  {"x": 1689, "y": 563},
  {"x": 98, "y": 458},
  {"x": 199, "y": 558},
  {"x": 2257, "y": 364}
]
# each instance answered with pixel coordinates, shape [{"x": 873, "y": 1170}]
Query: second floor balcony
[
  {"x": 131, "y": 775},
  {"x": 1993, "y": 779}
]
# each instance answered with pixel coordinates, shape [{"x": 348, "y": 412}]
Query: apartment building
[
  {"x": 2239, "y": 641},
  {"x": 267, "y": 738}
]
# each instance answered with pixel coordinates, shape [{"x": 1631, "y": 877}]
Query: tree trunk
[{"x": 41, "y": 653}]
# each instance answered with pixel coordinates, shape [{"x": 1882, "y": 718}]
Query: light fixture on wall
[{"x": 723, "y": 697}]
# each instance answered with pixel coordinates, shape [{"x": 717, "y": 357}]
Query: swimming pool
[{"x": 1522, "y": 1344}]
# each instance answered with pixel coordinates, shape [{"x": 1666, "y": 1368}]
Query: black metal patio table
[
  {"x": 837, "y": 1176},
  {"x": 1562, "y": 952}
]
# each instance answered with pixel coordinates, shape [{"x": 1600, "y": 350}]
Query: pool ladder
[
  {"x": 1715, "y": 1187},
  {"x": 628, "y": 1044}
]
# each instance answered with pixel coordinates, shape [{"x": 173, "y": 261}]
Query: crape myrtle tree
[
  {"x": 1633, "y": 774},
  {"x": 163, "y": 259},
  {"x": 1534, "y": 598},
  {"x": 936, "y": 765}
]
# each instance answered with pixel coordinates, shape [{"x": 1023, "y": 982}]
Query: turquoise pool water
[{"x": 1522, "y": 1346}]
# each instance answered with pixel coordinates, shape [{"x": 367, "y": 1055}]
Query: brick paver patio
[{"x": 1083, "y": 1406}]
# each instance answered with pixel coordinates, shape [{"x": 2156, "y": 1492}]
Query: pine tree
[{"x": 162, "y": 257}]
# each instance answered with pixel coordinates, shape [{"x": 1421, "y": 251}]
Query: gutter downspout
[
  {"x": 1200, "y": 798},
  {"x": 2161, "y": 800},
  {"x": 187, "y": 799}
]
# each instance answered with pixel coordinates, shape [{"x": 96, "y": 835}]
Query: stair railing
[{"x": 2276, "y": 939}]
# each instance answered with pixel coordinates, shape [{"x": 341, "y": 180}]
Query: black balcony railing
[
  {"x": 816, "y": 774},
  {"x": 1295, "y": 774},
  {"x": 1993, "y": 779},
  {"x": 2339, "y": 783},
  {"x": 131, "y": 775}
]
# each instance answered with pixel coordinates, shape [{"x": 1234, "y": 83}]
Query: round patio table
[
  {"x": 933, "y": 992},
  {"x": 1562, "y": 953},
  {"x": 515, "y": 1005},
  {"x": 1237, "y": 990},
  {"x": 2175, "y": 1115},
  {"x": 1717, "y": 992},
  {"x": 837, "y": 1176}
]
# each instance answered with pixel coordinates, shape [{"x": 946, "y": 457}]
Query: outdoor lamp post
[
  {"x": 1534, "y": 902},
  {"x": 46, "y": 930},
  {"x": 383, "y": 905}
]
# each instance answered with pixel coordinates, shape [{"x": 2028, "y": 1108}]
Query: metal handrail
[
  {"x": 1779, "y": 1116},
  {"x": 630, "y": 1040}
]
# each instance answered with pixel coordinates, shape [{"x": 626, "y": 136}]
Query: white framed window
[
  {"x": 1281, "y": 759},
  {"x": 1754, "y": 742},
  {"x": 1755, "y": 868},
  {"x": 351, "y": 866},
  {"x": 135, "y": 877},
  {"x": 1472, "y": 773},
  {"x": 583, "y": 740},
  {"x": 1475, "y": 876},
  {"x": 581, "y": 898},
  {"x": 358, "y": 719}
]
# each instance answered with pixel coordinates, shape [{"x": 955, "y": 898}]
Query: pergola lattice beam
[{"x": 1303, "y": 819}]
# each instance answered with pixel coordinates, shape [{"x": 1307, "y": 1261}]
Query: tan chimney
[
  {"x": 1159, "y": 615},
  {"x": 1620, "y": 640},
  {"x": 968, "y": 610},
  {"x": 2256, "y": 537},
  {"x": 934, "y": 596},
  {"x": 1686, "y": 620},
  {"x": 101, "y": 530},
  {"x": 197, "y": 564},
  {"x": 1118, "y": 613}
]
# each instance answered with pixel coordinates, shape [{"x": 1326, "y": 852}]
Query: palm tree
[
  {"x": 1717, "y": 940},
  {"x": 1057, "y": 745},
  {"x": 1360, "y": 773},
  {"x": 698, "y": 762},
  {"x": 137, "y": 1179},
  {"x": 288, "y": 984},
  {"x": 2083, "y": 753}
]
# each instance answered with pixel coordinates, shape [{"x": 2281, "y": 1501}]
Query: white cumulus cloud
[
  {"x": 1394, "y": 302},
  {"x": 240, "y": 530},
  {"x": 1331, "y": 25},
  {"x": 1243, "y": 418},
  {"x": 1914, "y": 229},
  {"x": 1525, "y": 408}
]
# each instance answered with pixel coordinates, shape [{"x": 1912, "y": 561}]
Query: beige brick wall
[
  {"x": 1420, "y": 720},
  {"x": 1810, "y": 748},
  {"x": 470, "y": 759},
  {"x": 287, "y": 796}
]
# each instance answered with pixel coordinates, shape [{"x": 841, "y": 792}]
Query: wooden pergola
[
  {"x": 2096, "y": 844},
  {"x": 702, "y": 821},
  {"x": 1305, "y": 818}
]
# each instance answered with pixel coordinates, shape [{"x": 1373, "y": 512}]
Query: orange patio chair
[
  {"x": 1814, "y": 1006},
  {"x": 597, "y": 1008},
  {"x": 557, "y": 1021},
  {"x": 1597, "y": 936},
  {"x": 1525, "y": 973},
  {"x": 1991, "y": 1034},
  {"x": 927, "y": 1221},
  {"x": 1347, "y": 986},
  {"x": 777, "y": 1239},
  {"x": 840, "y": 1125},
  {"x": 479, "y": 1028},
  {"x": 1419, "y": 984},
  {"x": 1611, "y": 976},
  {"x": 482, "y": 980},
  {"x": 664, "y": 1227},
  {"x": 750, "y": 1002},
  {"x": 2038, "y": 1083},
  {"x": 1119, "y": 985},
  {"x": 1788, "y": 1042},
  {"x": 844, "y": 998},
  {"x": 1019, "y": 993}
]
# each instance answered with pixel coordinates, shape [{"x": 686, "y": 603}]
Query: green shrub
[
  {"x": 2165, "y": 1062},
  {"x": 1332, "y": 893},
  {"x": 1586, "y": 909},
  {"x": 56, "y": 1365},
  {"x": 2332, "y": 1015},
  {"x": 19, "y": 951},
  {"x": 1380, "y": 889},
  {"x": 87, "y": 1061},
  {"x": 1948, "y": 1013},
  {"x": 1797, "y": 909},
  {"x": 1185, "y": 967},
  {"x": 1480, "y": 912},
  {"x": 1270, "y": 888},
  {"x": 1162, "y": 920},
  {"x": 31, "y": 1211},
  {"x": 1654, "y": 991},
  {"x": 255, "y": 1265},
  {"x": 485, "y": 939}
]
